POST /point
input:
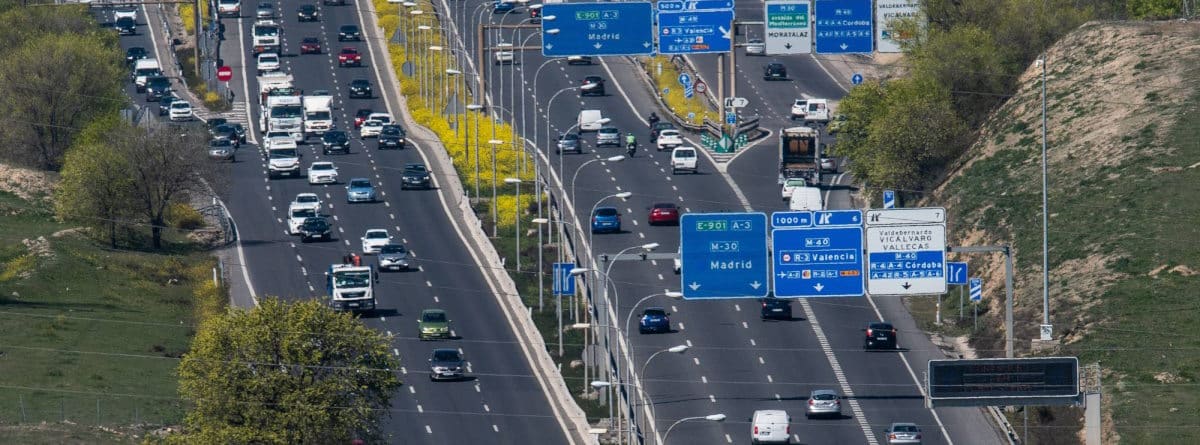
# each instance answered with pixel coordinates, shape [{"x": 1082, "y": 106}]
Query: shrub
[{"x": 184, "y": 217}]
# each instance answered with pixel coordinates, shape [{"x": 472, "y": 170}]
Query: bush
[
  {"x": 184, "y": 217},
  {"x": 187, "y": 15},
  {"x": 676, "y": 102}
]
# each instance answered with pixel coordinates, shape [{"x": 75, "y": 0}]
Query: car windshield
[
  {"x": 283, "y": 153},
  {"x": 303, "y": 213},
  {"x": 665, "y": 206},
  {"x": 180, "y": 105},
  {"x": 315, "y": 223},
  {"x": 158, "y": 82},
  {"x": 349, "y": 51},
  {"x": 393, "y": 248},
  {"x": 360, "y": 83},
  {"x": 824, "y": 396},
  {"x": 335, "y": 136},
  {"x": 351, "y": 279},
  {"x": 391, "y": 131},
  {"x": 224, "y": 129},
  {"x": 795, "y": 183},
  {"x": 445, "y": 355},
  {"x": 883, "y": 326},
  {"x": 349, "y": 28},
  {"x": 307, "y": 199},
  {"x": 322, "y": 167},
  {"x": 266, "y": 31},
  {"x": 377, "y": 235},
  {"x": 414, "y": 169},
  {"x": 434, "y": 317},
  {"x": 359, "y": 184},
  {"x": 684, "y": 154},
  {"x": 570, "y": 137},
  {"x": 362, "y": 113},
  {"x": 318, "y": 115},
  {"x": 606, "y": 211},
  {"x": 669, "y": 133},
  {"x": 310, "y": 40},
  {"x": 287, "y": 112},
  {"x": 655, "y": 313},
  {"x": 268, "y": 58},
  {"x": 609, "y": 131}
]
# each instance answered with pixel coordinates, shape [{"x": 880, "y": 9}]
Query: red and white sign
[
  {"x": 701, "y": 87},
  {"x": 224, "y": 73}
]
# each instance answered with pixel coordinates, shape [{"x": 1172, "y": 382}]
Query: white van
[
  {"x": 684, "y": 159},
  {"x": 142, "y": 69},
  {"x": 589, "y": 120},
  {"x": 818, "y": 111},
  {"x": 770, "y": 426},
  {"x": 806, "y": 198}
]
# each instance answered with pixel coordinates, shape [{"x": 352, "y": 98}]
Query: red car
[
  {"x": 664, "y": 213},
  {"x": 349, "y": 57},
  {"x": 310, "y": 45},
  {"x": 361, "y": 116}
]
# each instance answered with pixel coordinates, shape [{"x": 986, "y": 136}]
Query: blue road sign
[
  {"x": 688, "y": 92},
  {"x": 856, "y": 79},
  {"x": 564, "y": 283},
  {"x": 693, "y": 5},
  {"x": 956, "y": 273},
  {"x": 837, "y": 218},
  {"x": 781, "y": 220},
  {"x": 818, "y": 262},
  {"x": 685, "y": 79},
  {"x": 724, "y": 255},
  {"x": 976, "y": 289},
  {"x": 730, "y": 118},
  {"x": 889, "y": 199},
  {"x": 695, "y": 32},
  {"x": 843, "y": 26},
  {"x": 598, "y": 29}
]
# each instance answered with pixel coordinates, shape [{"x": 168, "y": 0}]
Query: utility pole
[
  {"x": 1046, "y": 328},
  {"x": 196, "y": 34}
]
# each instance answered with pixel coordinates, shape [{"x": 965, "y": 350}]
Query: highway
[{"x": 500, "y": 402}]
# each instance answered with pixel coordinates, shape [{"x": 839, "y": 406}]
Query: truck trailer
[{"x": 800, "y": 155}]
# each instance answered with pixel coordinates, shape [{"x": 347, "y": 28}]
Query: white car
[
  {"x": 267, "y": 62},
  {"x": 799, "y": 109},
  {"x": 180, "y": 110},
  {"x": 125, "y": 11},
  {"x": 370, "y": 128},
  {"x": 381, "y": 117},
  {"x": 669, "y": 139},
  {"x": 306, "y": 201},
  {"x": 504, "y": 56},
  {"x": 829, "y": 165},
  {"x": 792, "y": 184},
  {"x": 296, "y": 217},
  {"x": 374, "y": 240},
  {"x": 322, "y": 173}
]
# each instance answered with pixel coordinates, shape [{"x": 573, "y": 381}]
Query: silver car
[
  {"x": 903, "y": 434},
  {"x": 393, "y": 257},
  {"x": 824, "y": 402},
  {"x": 265, "y": 11},
  {"x": 608, "y": 136},
  {"x": 756, "y": 47}
]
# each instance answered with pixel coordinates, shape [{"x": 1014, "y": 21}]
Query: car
[
  {"x": 229, "y": 8},
  {"x": 658, "y": 128},
  {"x": 306, "y": 201},
  {"x": 360, "y": 88},
  {"x": 579, "y": 60},
  {"x": 823, "y": 402},
  {"x": 322, "y": 172},
  {"x": 315, "y": 228},
  {"x": 836, "y": 124},
  {"x": 226, "y": 132},
  {"x": 770, "y": 426},
  {"x": 360, "y": 116},
  {"x": 142, "y": 70},
  {"x": 880, "y": 335},
  {"x": 307, "y": 13},
  {"x": 349, "y": 57},
  {"x": 222, "y": 150},
  {"x": 502, "y": 6},
  {"x": 445, "y": 364},
  {"x": 334, "y": 2},
  {"x": 668, "y": 139},
  {"x": 157, "y": 87},
  {"x": 134, "y": 54},
  {"x": 121, "y": 12},
  {"x": 684, "y": 159},
  {"x": 213, "y": 123},
  {"x": 296, "y": 217},
  {"x": 504, "y": 55},
  {"x": 596, "y": 90},
  {"x": 799, "y": 109},
  {"x": 180, "y": 111},
  {"x": 608, "y": 136},
  {"x": 278, "y": 139},
  {"x": 817, "y": 112},
  {"x": 535, "y": 15},
  {"x": 606, "y": 219},
  {"x": 654, "y": 319},
  {"x": 349, "y": 33},
  {"x": 393, "y": 257},
  {"x": 310, "y": 45},
  {"x": 903, "y": 433},
  {"x": 381, "y": 117},
  {"x": 792, "y": 184},
  {"x": 433, "y": 323},
  {"x": 590, "y": 120},
  {"x": 391, "y": 136},
  {"x": 164, "y": 104},
  {"x": 126, "y": 26},
  {"x": 828, "y": 164},
  {"x": 415, "y": 176},
  {"x": 776, "y": 308},
  {"x": 569, "y": 142},
  {"x": 360, "y": 190},
  {"x": 774, "y": 71},
  {"x": 265, "y": 11},
  {"x": 335, "y": 141},
  {"x": 374, "y": 240},
  {"x": 267, "y": 62},
  {"x": 370, "y": 128},
  {"x": 756, "y": 47},
  {"x": 663, "y": 213}
]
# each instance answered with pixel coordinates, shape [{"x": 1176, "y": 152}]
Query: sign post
[
  {"x": 723, "y": 255},
  {"x": 787, "y": 28},
  {"x": 597, "y": 29}
]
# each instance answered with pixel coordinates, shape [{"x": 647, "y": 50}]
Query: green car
[
  {"x": 433, "y": 324},
  {"x": 836, "y": 124}
]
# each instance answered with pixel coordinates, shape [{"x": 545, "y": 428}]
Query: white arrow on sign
[
  {"x": 645, "y": 44},
  {"x": 844, "y": 46},
  {"x": 725, "y": 33},
  {"x": 597, "y": 45},
  {"x": 755, "y": 284},
  {"x": 736, "y": 102},
  {"x": 818, "y": 287},
  {"x": 549, "y": 46},
  {"x": 694, "y": 285}
]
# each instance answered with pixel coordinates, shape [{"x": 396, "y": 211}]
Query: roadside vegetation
[{"x": 681, "y": 106}]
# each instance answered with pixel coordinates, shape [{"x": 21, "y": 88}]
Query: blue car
[
  {"x": 654, "y": 319},
  {"x": 606, "y": 219},
  {"x": 360, "y": 190},
  {"x": 503, "y": 6}
]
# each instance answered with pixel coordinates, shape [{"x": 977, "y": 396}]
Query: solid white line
[{"x": 838, "y": 373}]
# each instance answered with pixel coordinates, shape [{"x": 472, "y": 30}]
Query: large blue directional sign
[
  {"x": 695, "y": 31},
  {"x": 597, "y": 29},
  {"x": 564, "y": 283},
  {"x": 724, "y": 255},
  {"x": 825, "y": 260},
  {"x": 843, "y": 26}
]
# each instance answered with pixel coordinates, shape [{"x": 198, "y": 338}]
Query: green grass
[{"x": 88, "y": 335}]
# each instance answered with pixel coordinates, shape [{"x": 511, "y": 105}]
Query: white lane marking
[
  {"x": 428, "y": 430},
  {"x": 704, "y": 379},
  {"x": 769, "y": 379},
  {"x": 688, "y": 342},
  {"x": 712, "y": 398},
  {"x": 728, "y": 439},
  {"x": 753, "y": 343},
  {"x": 696, "y": 360},
  {"x": 419, "y": 409},
  {"x": 428, "y": 284},
  {"x": 303, "y": 271},
  {"x": 495, "y": 428},
  {"x": 412, "y": 390},
  {"x": 660, "y": 277},
  {"x": 745, "y": 325},
  {"x": 737, "y": 307},
  {"x": 487, "y": 408},
  {"x": 760, "y": 360},
  {"x": 681, "y": 325},
  {"x": 396, "y": 351}
]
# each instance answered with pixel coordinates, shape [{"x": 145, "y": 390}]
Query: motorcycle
[{"x": 630, "y": 149}]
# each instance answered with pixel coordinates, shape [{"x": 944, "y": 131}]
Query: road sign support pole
[
  {"x": 938, "y": 305},
  {"x": 1008, "y": 289},
  {"x": 960, "y": 302},
  {"x": 721, "y": 88},
  {"x": 732, "y": 70}
]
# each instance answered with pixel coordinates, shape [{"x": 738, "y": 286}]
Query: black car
[
  {"x": 597, "y": 90},
  {"x": 334, "y": 2},
  {"x": 134, "y": 54},
  {"x": 307, "y": 13},
  {"x": 126, "y": 26},
  {"x": 880, "y": 335},
  {"x": 360, "y": 88},
  {"x": 415, "y": 176},
  {"x": 314, "y": 228},
  {"x": 774, "y": 71},
  {"x": 335, "y": 140},
  {"x": 214, "y": 123},
  {"x": 391, "y": 136},
  {"x": 226, "y": 132},
  {"x": 157, "y": 87},
  {"x": 349, "y": 32},
  {"x": 776, "y": 308},
  {"x": 579, "y": 60},
  {"x": 658, "y": 128},
  {"x": 164, "y": 104}
]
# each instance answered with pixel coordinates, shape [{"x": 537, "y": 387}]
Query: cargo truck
[
  {"x": 351, "y": 288},
  {"x": 800, "y": 155}
]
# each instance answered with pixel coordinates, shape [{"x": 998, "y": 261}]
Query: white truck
[
  {"x": 274, "y": 83},
  {"x": 318, "y": 115},
  {"x": 283, "y": 159},
  {"x": 284, "y": 113},
  {"x": 266, "y": 36},
  {"x": 351, "y": 288}
]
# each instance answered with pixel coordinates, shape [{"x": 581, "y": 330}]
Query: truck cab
[
  {"x": 318, "y": 115},
  {"x": 351, "y": 288}
]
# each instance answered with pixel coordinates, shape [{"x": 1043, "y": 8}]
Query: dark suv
[
  {"x": 415, "y": 176},
  {"x": 774, "y": 71},
  {"x": 391, "y": 136},
  {"x": 156, "y": 88},
  {"x": 776, "y": 308},
  {"x": 126, "y": 26},
  {"x": 314, "y": 228},
  {"x": 597, "y": 90},
  {"x": 349, "y": 33},
  {"x": 360, "y": 88},
  {"x": 335, "y": 140},
  {"x": 880, "y": 335}
]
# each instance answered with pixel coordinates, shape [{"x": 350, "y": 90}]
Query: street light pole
[
  {"x": 615, "y": 302},
  {"x": 495, "y": 216},
  {"x": 476, "y": 108},
  {"x": 517, "y": 210},
  {"x": 711, "y": 417},
  {"x": 1045, "y": 218}
]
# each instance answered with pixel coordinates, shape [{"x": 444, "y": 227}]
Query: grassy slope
[{"x": 1114, "y": 221}]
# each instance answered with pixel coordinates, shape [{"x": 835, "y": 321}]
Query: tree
[
  {"x": 286, "y": 373},
  {"x": 165, "y": 166},
  {"x": 966, "y": 61},
  {"x": 96, "y": 189}
]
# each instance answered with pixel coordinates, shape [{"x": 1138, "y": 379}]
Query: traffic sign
[
  {"x": 695, "y": 31},
  {"x": 597, "y": 29},
  {"x": 736, "y": 102},
  {"x": 956, "y": 273},
  {"x": 915, "y": 215},
  {"x": 889, "y": 199},
  {"x": 856, "y": 79},
  {"x": 788, "y": 28},
  {"x": 843, "y": 26},
  {"x": 700, "y": 86},
  {"x": 685, "y": 79},
  {"x": 886, "y": 11},
  {"x": 730, "y": 118},
  {"x": 693, "y": 5},
  {"x": 564, "y": 283},
  {"x": 688, "y": 91},
  {"x": 976, "y": 289},
  {"x": 837, "y": 218},
  {"x": 818, "y": 262},
  {"x": 224, "y": 73},
  {"x": 781, "y": 220},
  {"x": 724, "y": 255},
  {"x": 906, "y": 259}
]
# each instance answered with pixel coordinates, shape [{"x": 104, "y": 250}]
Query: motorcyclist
[
  {"x": 631, "y": 143},
  {"x": 653, "y": 118}
]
